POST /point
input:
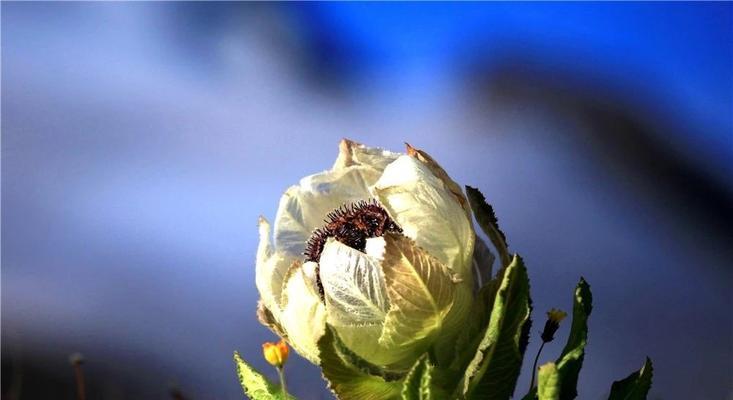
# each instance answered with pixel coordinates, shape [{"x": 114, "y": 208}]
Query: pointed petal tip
[
  {"x": 345, "y": 145},
  {"x": 345, "y": 157},
  {"x": 346, "y": 142}
]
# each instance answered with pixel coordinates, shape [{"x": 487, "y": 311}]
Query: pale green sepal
[
  {"x": 421, "y": 293},
  {"x": 454, "y": 324},
  {"x": 571, "y": 359},
  {"x": 475, "y": 327},
  {"x": 635, "y": 386},
  {"x": 255, "y": 385},
  {"x": 494, "y": 369},
  {"x": 350, "y": 382},
  {"x": 548, "y": 386}
]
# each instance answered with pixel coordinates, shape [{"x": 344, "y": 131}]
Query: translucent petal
[
  {"x": 428, "y": 212},
  {"x": 303, "y": 315},
  {"x": 440, "y": 173},
  {"x": 356, "y": 299},
  {"x": 421, "y": 291},
  {"x": 303, "y": 207},
  {"x": 353, "y": 286},
  {"x": 270, "y": 270},
  {"x": 352, "y": 153}
]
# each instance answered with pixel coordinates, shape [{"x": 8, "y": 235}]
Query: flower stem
[
  {"x": 534, "y": 367},
  {"x": 76, "y": 361},
  {"x": 282, "y": 380}
]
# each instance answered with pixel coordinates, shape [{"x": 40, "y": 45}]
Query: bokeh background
[{"x": 140, "y": 142}]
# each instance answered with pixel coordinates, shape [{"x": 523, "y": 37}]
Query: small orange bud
[{"x": 276, "y": 353}]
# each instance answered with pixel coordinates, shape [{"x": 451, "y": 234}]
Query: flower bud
[
  {"x": 275, "y": 353},
  {"x": 380, "y": 248},
  {"x": 554, "y": 317}
]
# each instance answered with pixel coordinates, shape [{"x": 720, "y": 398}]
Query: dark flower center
[{"x": 351, "y": 225}]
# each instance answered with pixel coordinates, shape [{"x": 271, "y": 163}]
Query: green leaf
[
  {"x": 635, "y": 386},
  {"x": 493, "y": 371},
  {"x": 571, "y": 359},
  {"x": 420, "y": 291},
  {"x": 418, "y": 384},
  {"x": 475, "y": 327},
  {"x": 548, "y": 385},
  {"x": 488, "y": 222},
  {"x": 348, "y": 381},
  {"x": 255, "y": 385}
]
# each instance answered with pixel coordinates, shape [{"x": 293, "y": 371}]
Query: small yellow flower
[
  {"x": 556, "y": 315},
  {"x": 275, "y": 353}
]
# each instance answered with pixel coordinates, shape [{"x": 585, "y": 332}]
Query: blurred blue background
[{"x": 140, "y": 142}]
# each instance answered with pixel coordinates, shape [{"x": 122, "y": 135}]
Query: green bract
[{"x": 400, "y": 302}]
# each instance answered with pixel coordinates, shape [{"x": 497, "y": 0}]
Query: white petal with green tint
[
  {"x": 427, "y": 212},
  {"x": 440, "y": 173},
  {"x": 356, "y": 299},
  {"x": 270, "y": 270},
  {"x": 353, "y": 285},
  {"x": 352, "y": 153},
  {"x": 303, "y": 315},
  {"x": 303, "y": 207},
  {"x": 420, "y": 290}
]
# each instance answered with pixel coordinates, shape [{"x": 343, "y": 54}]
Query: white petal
[
  {"x": 310, "y": 274},
  {"x": 375, "y": 248},
  {"x": 353, "y": 286},
  {"x": 428, "y": 212},
  {"x": 440, "y": 173},
  {"x": 303, "y": 315},
  {"x": 352, "y": 153},
  {"x": 356, "y": 300},
  {"x": 304, "y": 207},
  {"x": 264, "y": 248},
  {"x": 270, "y": 270}
]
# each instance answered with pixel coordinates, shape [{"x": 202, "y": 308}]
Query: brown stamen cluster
[{"x": 351, "y": 225}]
